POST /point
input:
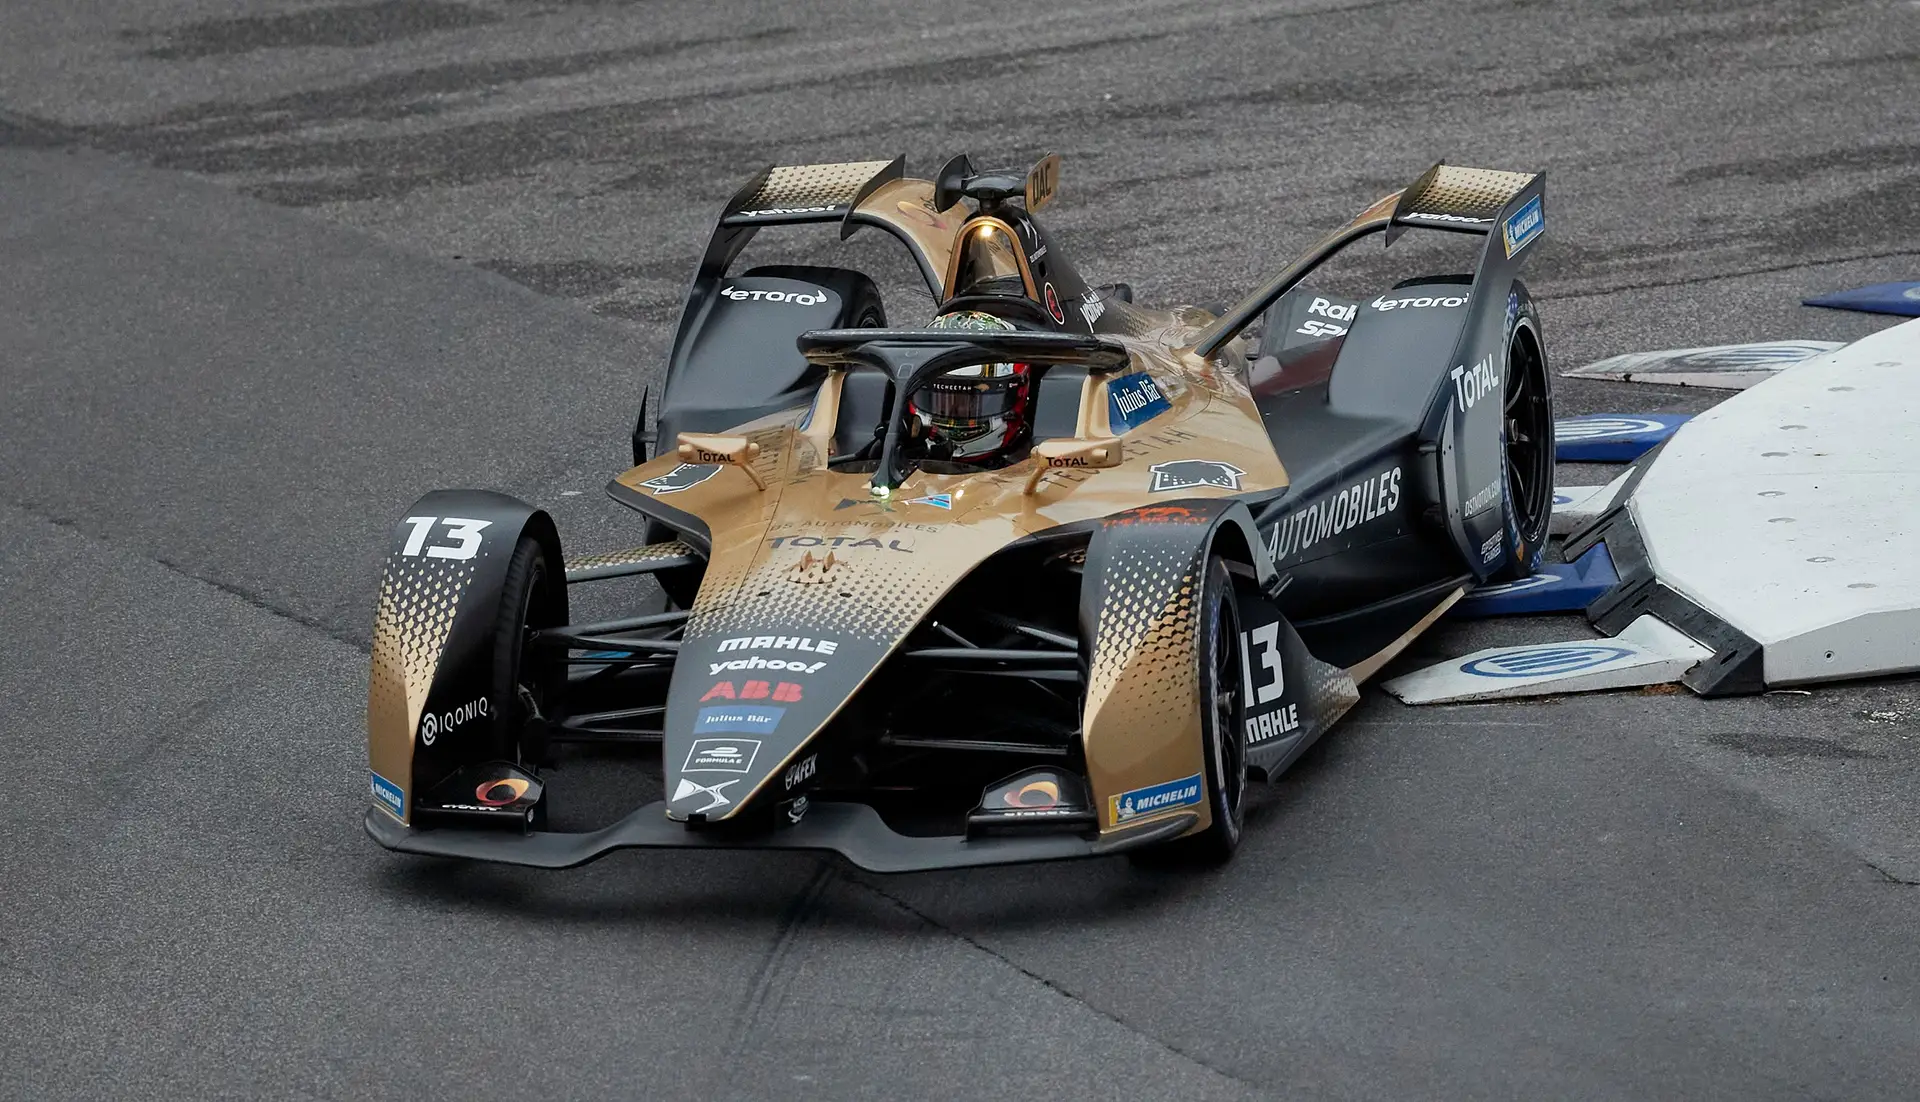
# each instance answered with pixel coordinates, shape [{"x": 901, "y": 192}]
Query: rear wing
[
  {"x": 789, "y": 194},
  {"x": 1446, "y": 197},
  {"x": 1467, "y": 200}
]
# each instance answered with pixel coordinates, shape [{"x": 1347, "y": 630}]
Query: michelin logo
[
  {"x": 1525, "y": 225},
  {"x": 1128, "y": 806}
]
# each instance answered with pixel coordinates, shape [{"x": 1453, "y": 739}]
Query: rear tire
[
  {"x": 527, "y": 683},
  {"x": 1526, "y": 442},
  {"x": 1222, "y": 731}
]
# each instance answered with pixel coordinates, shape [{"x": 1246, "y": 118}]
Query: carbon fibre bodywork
[{"x": 859, "y": 639}]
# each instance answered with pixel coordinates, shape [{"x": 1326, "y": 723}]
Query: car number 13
[
  {"x": 464, "y": 534},
  {"x": 1266, "y": 647}
]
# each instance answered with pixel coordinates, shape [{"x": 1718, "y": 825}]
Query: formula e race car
[{"x": 1047, "y": 574}]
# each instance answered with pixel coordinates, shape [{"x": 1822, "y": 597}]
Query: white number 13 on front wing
[{"x": 464, "y": 533}]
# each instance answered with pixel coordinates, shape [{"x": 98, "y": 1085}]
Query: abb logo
[{"x": 786, "y": 692}]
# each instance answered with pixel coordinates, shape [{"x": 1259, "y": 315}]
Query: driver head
[{"x": 974, "y": 414}]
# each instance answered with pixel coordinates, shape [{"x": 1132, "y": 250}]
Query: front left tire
[{"x": 1222, "y": 730}]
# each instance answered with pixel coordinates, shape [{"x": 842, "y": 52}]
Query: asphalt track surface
[{"x": 268, "y": 271}]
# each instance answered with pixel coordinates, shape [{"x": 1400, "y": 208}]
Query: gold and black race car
[{"x": 1047, "y": 574}]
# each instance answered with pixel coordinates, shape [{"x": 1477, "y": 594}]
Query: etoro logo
[
  {"x": 432, "y": 724},
  {"x": 1417, "y": 302},
  {"x": 1542, "y": 661},
  {"x": 798, "y": 298}
]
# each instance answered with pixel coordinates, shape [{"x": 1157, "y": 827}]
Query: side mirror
[
  {"x": 728, "y": 451},
  {"x": 1072, "y": 451}
]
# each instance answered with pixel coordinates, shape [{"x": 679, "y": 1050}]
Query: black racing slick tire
[
  {"x": 1526, "y": 441},
  {"x": 1222, "y": 731},
  {"x": 527, "y": 682}
]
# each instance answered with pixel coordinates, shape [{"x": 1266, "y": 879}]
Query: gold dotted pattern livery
[
  {"x": 1145, "y": 669},
  {"x": 418, "y": 596},
  {"x": 1466, "y": 192},
  {"x": 580, "y": 565},
  {"x": 813, "y": 185}
]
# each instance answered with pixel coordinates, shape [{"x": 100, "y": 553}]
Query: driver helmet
[{"x": 973, "y": 413}]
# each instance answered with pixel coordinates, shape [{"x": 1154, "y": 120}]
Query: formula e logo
[
  {"x": 715, "y": 798},
  {"x": 432, "y": 725},
  {"x": 1545, "y": 660},
  {"x": 721, "y": 755},
  {"x": 1470, "y": 384},
  {"x": 684, "y": 477},
  {"x": 798, "y": 298},
  {"x": 1604, "y": 428},
  {"x": 1185, "y": 474}
]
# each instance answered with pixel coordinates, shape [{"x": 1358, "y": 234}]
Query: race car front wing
[{"x": 852, "y": 830}]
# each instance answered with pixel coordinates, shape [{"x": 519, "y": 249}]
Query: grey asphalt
[{"x": 270, "y": 270}]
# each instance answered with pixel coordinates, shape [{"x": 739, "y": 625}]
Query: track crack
[
  {"x": 1053, "y": 986},
  {"x": 1684, "y": 281},
  {"x": 68, "y": 524}
]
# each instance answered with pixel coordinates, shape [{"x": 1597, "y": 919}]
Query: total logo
[
  {"x": 432, "y": 725},
  {"x": 786, "y": 692},
  {"x": 1470, "y": 384},
  {"x": 1546, "y": 660},
  {"x": 847, "y": 542},
  {"x": 1417, "y": 302},
  {"x": 798, "y": 298}
]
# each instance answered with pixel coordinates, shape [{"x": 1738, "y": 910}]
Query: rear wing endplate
[{"x": 1445, "y": 197}]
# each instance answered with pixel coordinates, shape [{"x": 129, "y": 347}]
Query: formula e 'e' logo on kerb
[
  {"x": 1603, "y": 428},
  {"x": 1545, "y": 660}
]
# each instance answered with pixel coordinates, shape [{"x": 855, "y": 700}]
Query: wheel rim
[
  {"x": 1232, "y": 751},
  {"x": 530, "y": 688},
  {"x": 1529, "y": 435}
]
